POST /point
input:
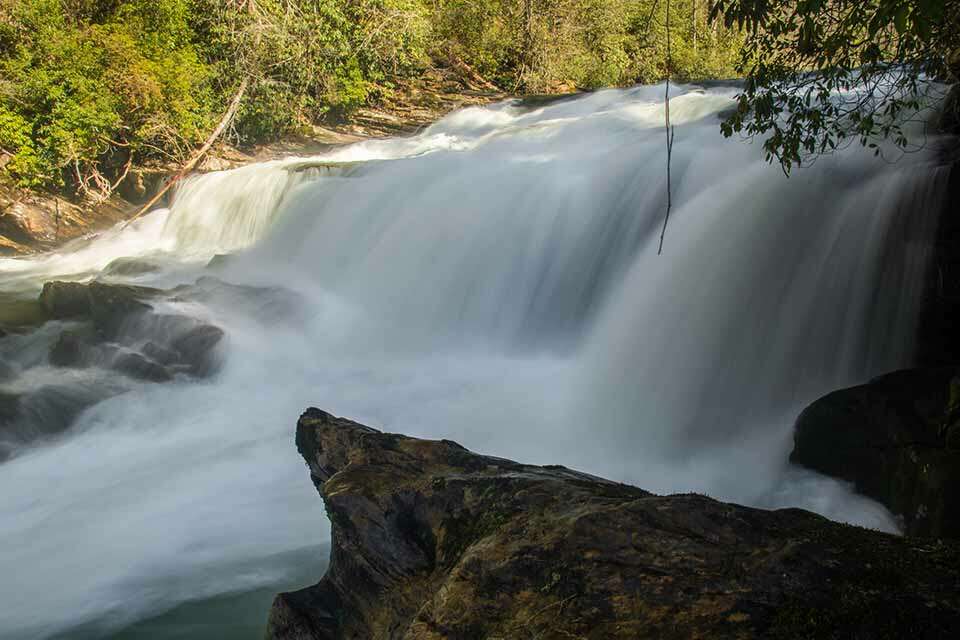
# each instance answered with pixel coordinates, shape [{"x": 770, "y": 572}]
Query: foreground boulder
[
  {"x": 897, "y": 439},
  {"x": 433, "y": 541}
]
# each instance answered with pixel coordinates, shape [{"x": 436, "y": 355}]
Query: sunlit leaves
[{"x": 820, "y": 73}]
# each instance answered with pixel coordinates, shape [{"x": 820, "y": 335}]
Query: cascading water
[{"x": 493, "y": 280}]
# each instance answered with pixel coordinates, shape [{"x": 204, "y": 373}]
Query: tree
[{"x": 822, "y": 74}]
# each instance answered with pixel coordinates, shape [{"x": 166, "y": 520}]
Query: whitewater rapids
[{"x": 493, "y": 280}]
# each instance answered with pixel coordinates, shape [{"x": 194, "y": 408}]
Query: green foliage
[
  {"x": 88, "y": 87},
  {"x": 16, "y": 135},
  {"x": 823, "y": 73},
  {"x": 547, "y": 45},
  {"x": 73, "y": 89}
]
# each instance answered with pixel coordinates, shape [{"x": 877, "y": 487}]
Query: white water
[{"x": 494, "y": 281}]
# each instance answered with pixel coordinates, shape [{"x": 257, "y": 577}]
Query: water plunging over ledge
[{"x": 493, "y": 280}]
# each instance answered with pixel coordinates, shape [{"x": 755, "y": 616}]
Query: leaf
[{"x": 900, "y": 19}]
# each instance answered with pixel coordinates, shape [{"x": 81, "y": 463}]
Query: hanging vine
[{"x": 668, "y": 129}]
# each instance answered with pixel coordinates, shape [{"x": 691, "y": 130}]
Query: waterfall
[{"x": 492, "y": 280}]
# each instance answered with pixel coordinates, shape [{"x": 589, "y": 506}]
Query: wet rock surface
[
  {"x": 28, "y": 415},
  {"x": 897, "y": 439},
  {"x": 92, "y": 341},
  {"x": 108, "y": 306},
  {"x": 431, "y": 541},
  {"x": 104, "y": 338},
  {"x": 938, "y": 341},
  {"x": 119, "y": 325},
  {"x": 130, "y": 267}
]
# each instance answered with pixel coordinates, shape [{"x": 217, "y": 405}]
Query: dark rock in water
[
  {"x": 9, "y": 407},
  {"x": 130, "y": 267},
  {"x": 119, "y": 313},
  {"x": 196, "y": 349},
  {"x": 108, "y": 306},
  {"x": 267, "y": 304},
  {"x": 136, "y": 366},
  {"x": 112, "y": 306},
  {"x": 937, "y": 338},
  {"x": 113, "y": 329},
  {"x": 897, "y": 439},
  {"x": 433, "y": 541},
  {"x": 160, "y": 354},
  {"x": 949, "y": 120},
  {"x": 68, "y": 350},
  {"x": 65, "y": 299},
  {"x": 7, "y": 371},
  {"x": 46, "y": 411}
]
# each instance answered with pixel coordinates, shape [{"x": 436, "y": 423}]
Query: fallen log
[{"x": 191, "y": 164}]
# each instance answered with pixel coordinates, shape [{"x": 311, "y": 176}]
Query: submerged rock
[
  {"x": 130, "y": 267},
  {"x": 114, "y": 306},
  {"x": 108, "y": 306},
  {"x": 136, "y": 366},
  {"x": 69, "y": 350},
  {"x": 196, "y": 349},
  {"x": 117, "y": 316},
  {"x": 897, "y": 439},
  {"x": 111, "y": 334},
  {"x": 47, "y": 410},
  {"x": 65, "y": 299},
  {"x": 432, "y": 541}
]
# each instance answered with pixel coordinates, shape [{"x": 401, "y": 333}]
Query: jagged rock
[
  {"x": 896, "y": 439},
  {"x": 433, "y": 541}
]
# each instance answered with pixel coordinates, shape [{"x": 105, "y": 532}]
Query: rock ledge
[{"x": 433, "y": 541}]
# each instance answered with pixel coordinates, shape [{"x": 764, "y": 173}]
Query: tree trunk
[{"x": 693, "y": 21}]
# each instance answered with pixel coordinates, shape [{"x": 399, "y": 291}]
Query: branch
[{"x": 192, "y": 162}]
